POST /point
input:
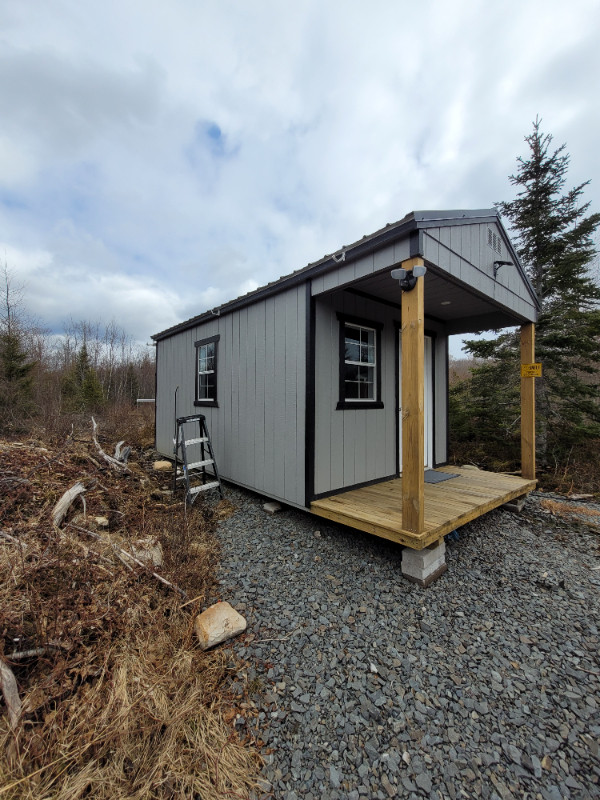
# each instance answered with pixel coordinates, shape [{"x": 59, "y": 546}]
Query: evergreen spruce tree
[
  {"x": 16, "y": 381},
  {"x": 81, "y": 388},
  {"x": 554, "y": 237},
  {"x": 16, "y": 368},
  {"x": 132, "y": 385}
]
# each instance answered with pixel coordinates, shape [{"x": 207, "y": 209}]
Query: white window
[
  {"x": 360, "y": 363},
  {"x": 206, "y": 371}
]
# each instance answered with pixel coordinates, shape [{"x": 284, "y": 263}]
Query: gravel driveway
[{"x": 485, "y": 684}]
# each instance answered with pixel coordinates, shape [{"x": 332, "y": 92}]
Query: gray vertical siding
[
  {"x": 463, "y": 251},
  {"x": 258, "y": 428},
  {"x": 357, "y": 446},
  {"x": 348, "y": 273},
  {"x": 352, "y": 446}
]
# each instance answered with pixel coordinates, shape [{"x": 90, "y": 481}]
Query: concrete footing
[
  {"x": 424, "y": 566},
  {"x": 516, "y": 505}
]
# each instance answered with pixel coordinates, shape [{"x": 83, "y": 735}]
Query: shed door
[{"x": 428, "y": 401}]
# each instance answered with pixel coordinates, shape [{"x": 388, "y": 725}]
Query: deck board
[{"x": 377, "y": 509}]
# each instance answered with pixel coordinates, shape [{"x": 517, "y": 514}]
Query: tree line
[{"x": 88, "y": 367}]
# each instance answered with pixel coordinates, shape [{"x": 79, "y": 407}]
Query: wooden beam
[
  {"x": 413, "y": 405},
  {"x": 528, "y": 404}
]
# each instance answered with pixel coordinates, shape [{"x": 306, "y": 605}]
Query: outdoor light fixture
[
  {"x": 498, "y": 264},
  {"x": 408, "y": 277}
]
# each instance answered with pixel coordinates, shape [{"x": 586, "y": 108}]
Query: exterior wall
[
  {"x": 463, "y": 251},
  {"x": 357, "y": 446},
  {"x": 347, "y": 273},
  {"x": 258, "y": 429}
]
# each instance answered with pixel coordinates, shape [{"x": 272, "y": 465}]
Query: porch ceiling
[{"x": 460, "y": 307}]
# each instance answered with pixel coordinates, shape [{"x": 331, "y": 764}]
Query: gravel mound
[{"x": 486, "y": 684}]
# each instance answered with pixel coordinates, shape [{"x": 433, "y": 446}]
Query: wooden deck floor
[{"x": 377, "y": 509}]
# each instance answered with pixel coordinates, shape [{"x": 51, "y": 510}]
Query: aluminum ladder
[{"x": 193, "y": 454}]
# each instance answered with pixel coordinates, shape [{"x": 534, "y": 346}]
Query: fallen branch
[
  {"x": 122, "y": 455},
  {"x": 112, "y": 462},
  {"x": 21, "y": 655},
  {"x": 63, "y": 505},
  {"x": 119, "y": 550},
  {"x": 193, "y": 600},
  {"x": 9, "y": 538},
  {"x": 12, "y": 482},
  {"x": 11, "y": 694}
]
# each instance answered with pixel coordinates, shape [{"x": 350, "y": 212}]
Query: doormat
[{"x": 433, "y": 476}]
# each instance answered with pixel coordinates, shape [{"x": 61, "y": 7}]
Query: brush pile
[{"x": 104, "y": 690}]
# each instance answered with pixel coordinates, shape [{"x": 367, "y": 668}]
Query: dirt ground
[{"x": 105, "y": 692}]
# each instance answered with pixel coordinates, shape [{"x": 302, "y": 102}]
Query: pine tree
[
  {"x": 554, "y": 237},
  {"x": 16, "y": 381},
  {"x": 16, "y": 368},
  {"x": 81, "y": 388}
]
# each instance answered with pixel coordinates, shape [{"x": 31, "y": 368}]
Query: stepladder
[{"x": 195, "y": 466}]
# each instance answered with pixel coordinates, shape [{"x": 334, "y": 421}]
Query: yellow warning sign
[{"x": 531, "y": 370}]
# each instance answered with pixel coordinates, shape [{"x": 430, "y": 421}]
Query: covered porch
[
  {"x": 456, "y": 274},
  {"x": 377, "y": 509}
]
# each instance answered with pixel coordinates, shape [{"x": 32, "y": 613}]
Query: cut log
[{"x": 60, "y": 509}]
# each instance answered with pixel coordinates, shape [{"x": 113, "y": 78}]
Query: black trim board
[
  {"x": 397, "y": 330},
  {"x": 213, "y": 402},
  {"x": 447, "y": 443},
  {"x": 416, "y": 244},
  {"x": 352, "y": 404},
  {"x": 390, "y": 303},
  {"x": 333, "y": 492},
  {"x": 310, "y": 410},
  {"x": 156, "y": 397}
]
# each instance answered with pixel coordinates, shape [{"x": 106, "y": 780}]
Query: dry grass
[
  {"x": 120, "y": 702},
  {"x": 560, "y": 509}
]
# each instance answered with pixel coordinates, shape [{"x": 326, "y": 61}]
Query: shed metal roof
[{"x": 409, "y": 226}]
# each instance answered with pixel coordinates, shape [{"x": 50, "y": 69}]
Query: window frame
[
  {"x": 206, "y": 402},
  {"x": 354, "y": 403}
]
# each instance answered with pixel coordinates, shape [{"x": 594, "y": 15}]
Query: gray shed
[{"x": 328, "y": 389}]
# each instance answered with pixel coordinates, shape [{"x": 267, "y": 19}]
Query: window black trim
[
  {"x": 213, "y": 403},
  {"x": 346, "y": 405}
]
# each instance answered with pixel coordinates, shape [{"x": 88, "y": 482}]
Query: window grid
[
  {"x": 360, "y": 363},
  {"x": 206, "y": 371}
]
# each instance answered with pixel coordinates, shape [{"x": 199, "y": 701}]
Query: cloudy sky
[{"x": 160, "y": 157}]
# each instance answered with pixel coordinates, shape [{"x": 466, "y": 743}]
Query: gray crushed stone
[{"x": 486, "y": 684}]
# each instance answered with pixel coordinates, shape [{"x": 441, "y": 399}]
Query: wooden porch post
[
  {"x": 528, "y": 404},
  {"x": 413, "y": 405}
]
